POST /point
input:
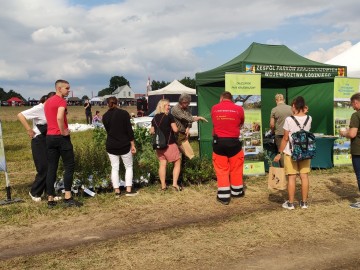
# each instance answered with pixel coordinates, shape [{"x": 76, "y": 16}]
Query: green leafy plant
[
  {"x": 142, "y": 137},
  {"x": 99, "y": 136},
  {"x": 197, "y": 171},
  {"x": 92, "y": 159}
]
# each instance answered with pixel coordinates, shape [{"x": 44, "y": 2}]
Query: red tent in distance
[{"x": 14, "y": 101}]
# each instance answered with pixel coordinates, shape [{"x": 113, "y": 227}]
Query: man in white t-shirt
[{"x": 37, "y": 133}]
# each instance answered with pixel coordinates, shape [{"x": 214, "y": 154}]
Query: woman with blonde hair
[{"x": 164, "y": 121}]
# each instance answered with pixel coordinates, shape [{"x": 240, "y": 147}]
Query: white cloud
[
  {"x": 51, "y": 34},
  {"x": 45, "y": 40},
  {"x": 12, "y": 72},
  {"x": 322, "y": 55}
]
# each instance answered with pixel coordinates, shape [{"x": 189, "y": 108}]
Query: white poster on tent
[
  {"x": 344, "y": 88},
  {"x": 246, "y": 90},
  {"x": 2, "y": 152}
]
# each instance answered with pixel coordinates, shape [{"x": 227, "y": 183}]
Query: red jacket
[{"x": 227, "y": 119}]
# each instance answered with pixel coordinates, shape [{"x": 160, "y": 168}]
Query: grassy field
[
  {"x": 76, "y": 114},
  {"x": 178, "y": 230}
]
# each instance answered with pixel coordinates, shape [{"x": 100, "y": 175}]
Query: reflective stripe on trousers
[{"x": 229, "y": 173}]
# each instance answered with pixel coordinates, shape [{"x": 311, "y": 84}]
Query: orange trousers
[{"x": 229, "y": 173}]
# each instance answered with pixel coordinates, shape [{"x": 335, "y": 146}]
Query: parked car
[
  {"x": 145, "y": 121},
  {"x": 4, "y": 103}
]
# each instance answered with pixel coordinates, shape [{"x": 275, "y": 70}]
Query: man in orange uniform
[{"x": 228, "y": 157}]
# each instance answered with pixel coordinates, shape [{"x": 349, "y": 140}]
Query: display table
[
  {"x": 322, "y": 160},
  {"x": 324, "y": 153}
]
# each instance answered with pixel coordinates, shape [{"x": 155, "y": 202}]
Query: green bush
[
  {"x": 198, "y": 171},
  {"x": 91, "y": 158},
  {"x": 99, "y": 136}
]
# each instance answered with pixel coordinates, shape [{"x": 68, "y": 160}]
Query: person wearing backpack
[
  {"x": 292, "y": 167},
  {"x": 163, "y": 126}
]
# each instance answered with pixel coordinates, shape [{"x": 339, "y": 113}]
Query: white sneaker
[
  {"x": 288, "y": 205},
  {"x": 35, "y": 199},
  {"x": 355, "y": 205},
  {"x": 303, "y": 205}
]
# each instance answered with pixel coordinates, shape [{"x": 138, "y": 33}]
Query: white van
[{"x": 145, "y": 121}]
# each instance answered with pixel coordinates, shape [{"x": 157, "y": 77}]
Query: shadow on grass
[
  {"x": 279, "y": 196},
  {"x": 343, "y": 190}
]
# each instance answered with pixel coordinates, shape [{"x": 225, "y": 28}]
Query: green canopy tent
[{"x": 282, "y": 71}]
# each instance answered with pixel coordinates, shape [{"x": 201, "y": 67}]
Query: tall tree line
[
  {"x": 7, "y": 95},
  {"x": 118, "y": 81}
]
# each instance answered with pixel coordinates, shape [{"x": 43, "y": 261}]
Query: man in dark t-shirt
[
  {"x": 277, "y": 120},
  {"x": 88, "y": 113},
  {"x": 353, "y": 133}
]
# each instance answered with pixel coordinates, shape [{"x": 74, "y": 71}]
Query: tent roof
[
  {"x": 175, "y": 87},
  {"x": 120, "y": 88},
  {"x": 96, "y": 99},
  {"x": 259, "y": 54},
  {"x": 349, "y": 58},
  {"x": 16, "y": 99}
]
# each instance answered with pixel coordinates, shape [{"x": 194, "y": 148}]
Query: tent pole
[{"x": 8, "y": 199}]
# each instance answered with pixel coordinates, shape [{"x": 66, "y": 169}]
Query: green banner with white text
[
  {"x": 246, "y": 90},
  {"x": 295, "y": 72}
]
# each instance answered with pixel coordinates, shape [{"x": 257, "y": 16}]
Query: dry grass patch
[
  {"x": 179, "y": 230},
  {"x": 207, "y": 245},
  {"x": 75, "y": 113}
]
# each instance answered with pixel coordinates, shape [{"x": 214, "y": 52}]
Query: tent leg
[
  {"x": 8, "y": 199},
  {"x": 8, "y": 193}
]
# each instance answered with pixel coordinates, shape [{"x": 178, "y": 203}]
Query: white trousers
[{"x": 115, "y": 165}]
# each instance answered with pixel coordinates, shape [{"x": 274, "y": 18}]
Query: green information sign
[
  {"x": 243, "y": 83},
  {"x": 344, "y": 88},
  {"x": 246, "y": 90}
]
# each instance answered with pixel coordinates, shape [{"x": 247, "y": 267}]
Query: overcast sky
[{"x": 87, "y": 42}]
